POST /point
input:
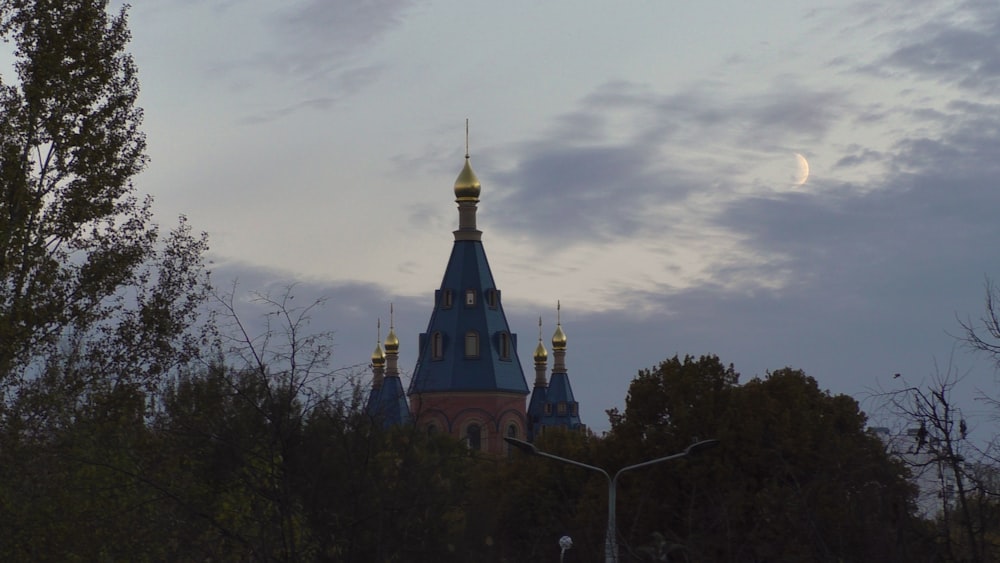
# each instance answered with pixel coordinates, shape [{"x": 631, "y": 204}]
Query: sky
[{"x": 638, "y": 162}]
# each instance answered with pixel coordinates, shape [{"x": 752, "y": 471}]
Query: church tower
[
  {"x": 468, "y": 380},
  {"x": 386, "y": 399},
  {"x": 552, "y": 402}
]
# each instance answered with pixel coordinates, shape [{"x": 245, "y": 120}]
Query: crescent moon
[{"x": 802, "y": 173}]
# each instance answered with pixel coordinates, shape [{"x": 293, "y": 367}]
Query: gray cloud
[
  {"x": 961, "y": 47},
  {"x": 338, "y": 29},
  {"x": 584, "y": 194},
  {"x": 575, "y": 185},
  {"x": 343, "y": 85},
  {"x": 902, "y": 248},
  {"x": 313, "y": 48},
  {"x": 318, "y": 41},
  {"x": 347, "y": 310}
]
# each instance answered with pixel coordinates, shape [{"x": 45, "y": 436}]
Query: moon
[{"x": 802, "y": 173}]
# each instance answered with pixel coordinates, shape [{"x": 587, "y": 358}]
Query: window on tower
[
  {"x": 491, "y": 298},
  {"x": 561, "y": 408},
  {"x": 447, "y": 298},
  {"x": 470, "y": 297},
  {"x": 504, "y": 346},
  {"x": 437, "y": 346},
  {"x": 471, "y": 344}
]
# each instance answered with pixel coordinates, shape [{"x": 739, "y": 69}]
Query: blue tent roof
[
  {"x": 468, "y": 305},
  {"x": 553, "y": 406},
  {"x": 388, "y": 403},
  {"x": 536, "y": 411}
]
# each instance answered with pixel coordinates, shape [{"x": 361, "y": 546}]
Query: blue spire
[
  {"x": 553, "y": 404},
  {"x": 386, "y": 400},
  {"x": 468, "y": 345},
  {"x": 388, "y": 403}
]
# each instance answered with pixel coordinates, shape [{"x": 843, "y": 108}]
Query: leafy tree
[
  {"x": 73, "y": 234},
  {"x": 542, "y": 501},
  {"x": 796, "y": 477},
  {"x": 97, "y": 308}
]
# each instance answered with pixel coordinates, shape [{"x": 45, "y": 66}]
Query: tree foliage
[
  {"x": 796, "y": 478},
  {"x": 72, "y": 231}
]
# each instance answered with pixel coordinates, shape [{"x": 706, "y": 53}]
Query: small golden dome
[
  {"x": 378, "y": 356},
  {"x": 467, "y": 185},
  {"x": 541, "y": 355},
  {"x": 391, "y": 342},
  {"x": 559, "y": 339}
]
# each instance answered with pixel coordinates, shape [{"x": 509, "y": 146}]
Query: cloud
[
  {"x": 309, "y": 53},
  {"x": 343, "y": 85},
  {"x": 316, "y": 41},
  {"x": 960, "y": 46},
  {"x": 906, "y": 239},
  {"x": 347, "y": 310},
  {"x": 607, "y": 168},
  {"x": 571, "y": 194},
  {"x": 338, "y": 29}
]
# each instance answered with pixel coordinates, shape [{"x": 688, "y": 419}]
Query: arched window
[
  {"x": 474, "y": 437},
  {"x": 437, "y": 346},
  {"x": 471, "y": 344},
  {"x": 432, "y": 429},
  {"x": 504, "y": 346},
  {"x": 511, "y": 433}
]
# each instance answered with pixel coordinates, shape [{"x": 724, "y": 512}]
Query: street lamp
[{"x": 611, "y": 539}]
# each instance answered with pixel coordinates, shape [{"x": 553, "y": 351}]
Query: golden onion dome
[
  {"x": 541, "y": 355},
  {"x": 559, "y": 339},
  {"x": 391, "y": 342},
  {"x": 378, "y": 356},
  {"x": 467, "y": 186}
]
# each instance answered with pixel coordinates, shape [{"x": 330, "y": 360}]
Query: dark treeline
[
  {"x": 236, "y": 465},
  {"x": 141, "y": 420}
]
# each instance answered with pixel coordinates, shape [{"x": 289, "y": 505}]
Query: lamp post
[{"x": 611, "y": 538}]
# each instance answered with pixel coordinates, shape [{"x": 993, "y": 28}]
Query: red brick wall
[{"x": 454, "y": 412}]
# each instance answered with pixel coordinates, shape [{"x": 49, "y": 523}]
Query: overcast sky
[{"x": 638, "y": 164}]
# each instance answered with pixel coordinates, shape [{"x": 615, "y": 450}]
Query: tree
[
  {"x": 984, "y": 337},
  {"x": 542, "y": 501},
  {"x": 796, "y": 476},
  {"x": 96, "y": 307},
  {"x": 73, "y": 234},
  {"x": 957, "y": 476}
]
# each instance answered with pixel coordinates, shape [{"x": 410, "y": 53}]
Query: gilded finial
[
  {"x": 391, "y": 342},
  {"x": 559, "y": 338},
  {"x": 467, "y": 186},
  {"x": 541, "y": 355},
  {"x": 378, "y": 356}
]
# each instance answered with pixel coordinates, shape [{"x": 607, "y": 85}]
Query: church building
[{"x": 468, "y": 380}]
